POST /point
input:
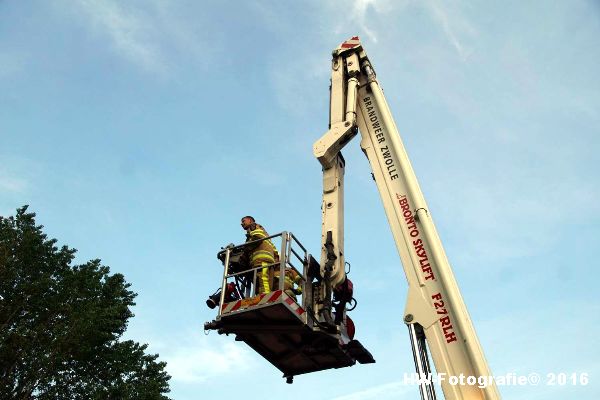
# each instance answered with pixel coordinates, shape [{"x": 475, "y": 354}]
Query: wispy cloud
[
  {"x": 152, "y": 36},
  {"x": 199, "y": 363},
  {"x": 359, "y": 14},
  {"x": 17, "y": 182},
  {"x": 11, "y": 183},
  {"x": 451, "y": 23},
  {"x": 199, "y": 358},
  {"x": 130, "y": 31},
  {"x": 364, "y": 16},
  {"x": 537, "y": 195}
]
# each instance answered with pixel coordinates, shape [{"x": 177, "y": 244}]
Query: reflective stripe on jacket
[
  {"x": 261, "y": 253},
  {"x": 291, "y": 278}
]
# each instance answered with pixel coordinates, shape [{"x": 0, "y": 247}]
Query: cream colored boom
[{"x": 434, "y": 300}]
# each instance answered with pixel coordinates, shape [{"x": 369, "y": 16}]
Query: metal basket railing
[{"x": 292, "y": 256}]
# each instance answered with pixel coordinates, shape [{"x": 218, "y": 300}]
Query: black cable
[{"x": 354, "y": 306}]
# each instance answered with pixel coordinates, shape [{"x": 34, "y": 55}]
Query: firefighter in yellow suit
[
  {"x": 260, "y": 254},
  {"x": 292, "y": 283}
]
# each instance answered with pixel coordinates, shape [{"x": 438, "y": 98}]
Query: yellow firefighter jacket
[{"x": 261, "y": 254}]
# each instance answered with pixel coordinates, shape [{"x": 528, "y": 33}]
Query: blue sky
[{"x": 140, "y": 133}]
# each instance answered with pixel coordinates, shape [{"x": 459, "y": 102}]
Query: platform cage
[
  {"x": 281, "y": 325},
  {"x": 239, "y": 289}
]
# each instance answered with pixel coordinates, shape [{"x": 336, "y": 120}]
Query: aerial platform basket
[{"x": 281, "y": 325}]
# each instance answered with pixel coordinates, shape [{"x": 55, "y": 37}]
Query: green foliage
[{"x": 60, "y": 324}]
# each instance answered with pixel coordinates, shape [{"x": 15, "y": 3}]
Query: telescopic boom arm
[{"x": 435, "y": 312}]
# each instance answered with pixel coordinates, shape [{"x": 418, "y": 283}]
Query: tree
[{"x": 60, "y": 324}]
